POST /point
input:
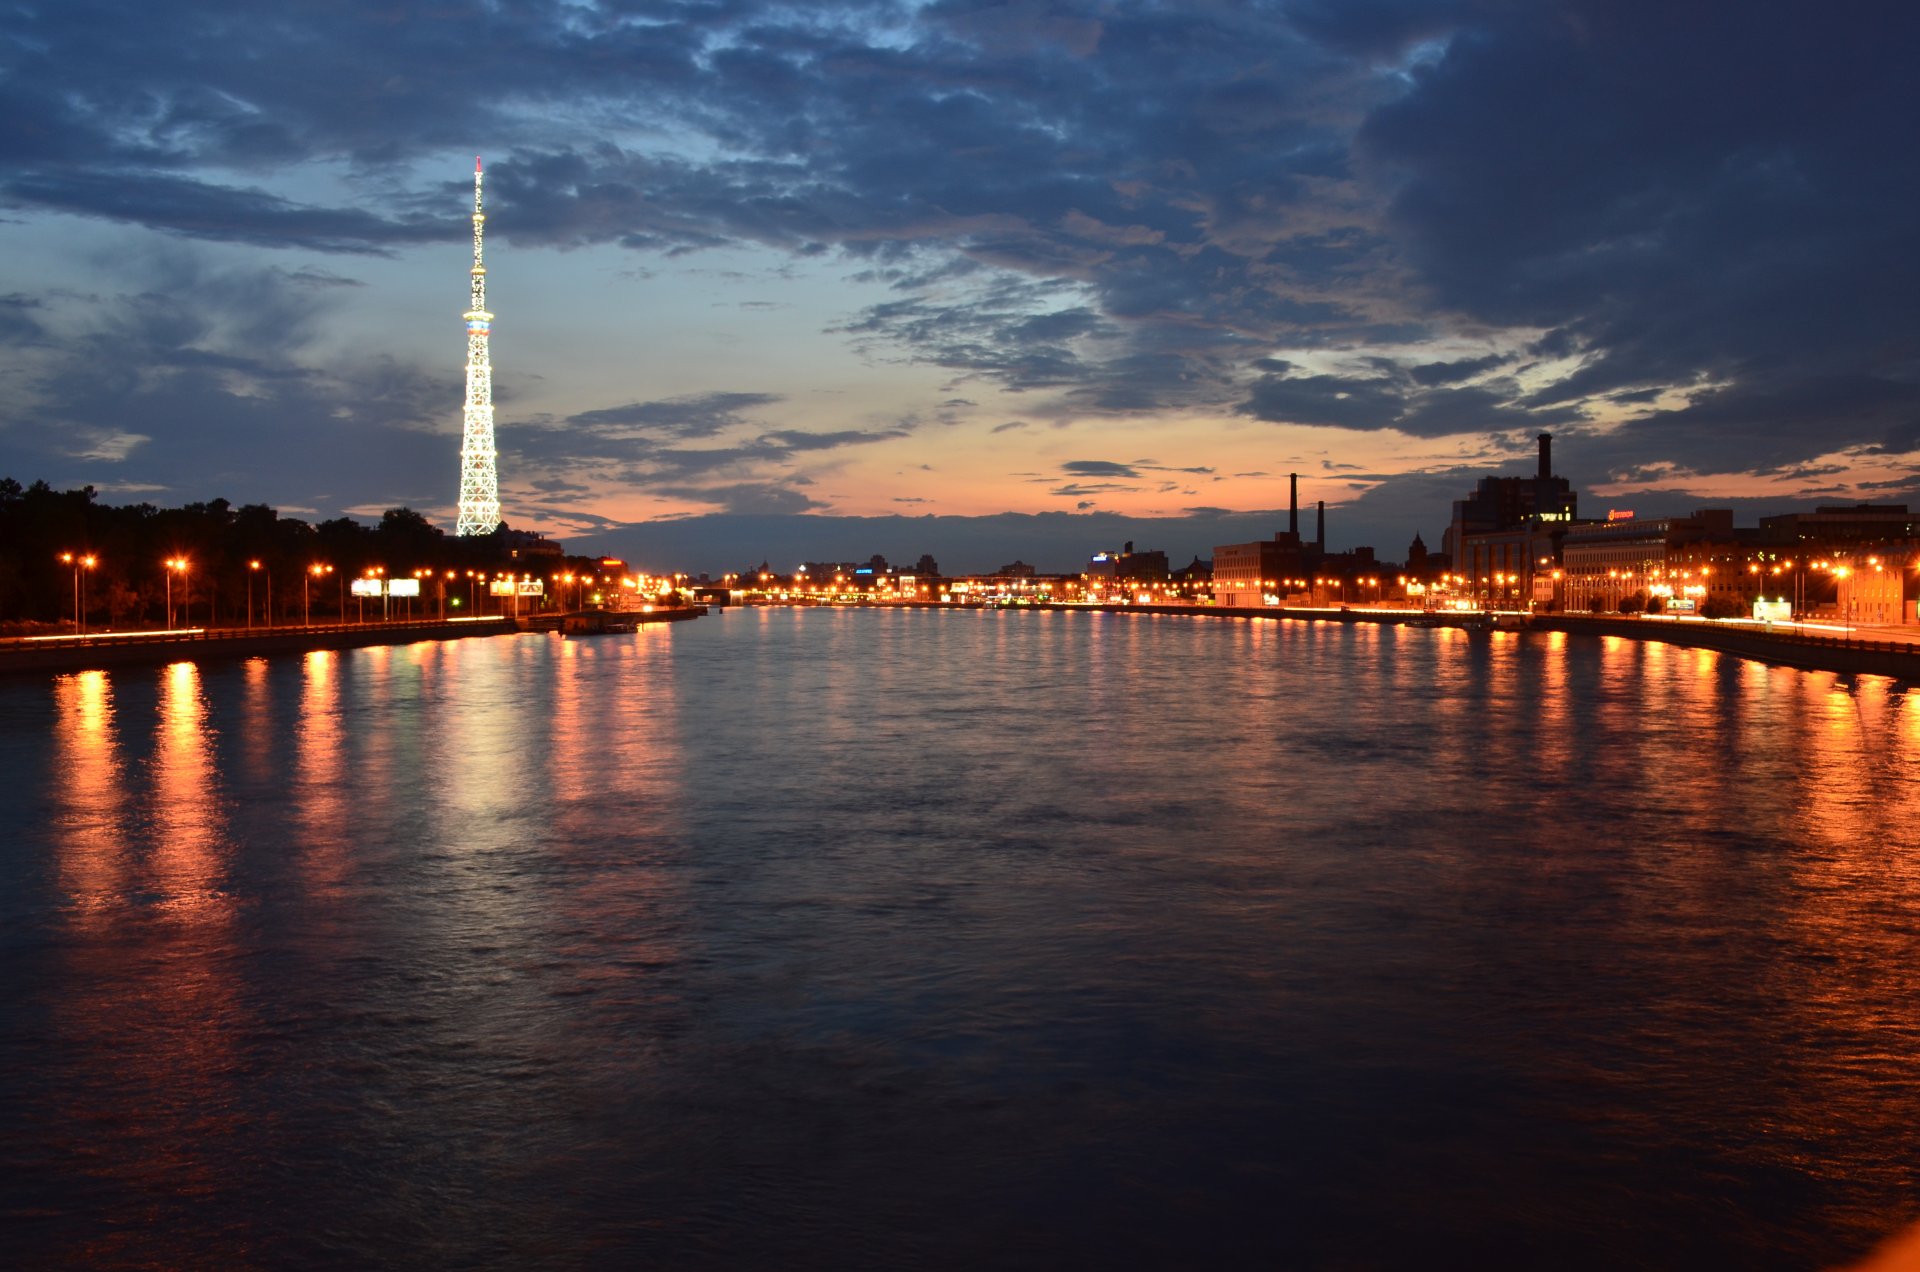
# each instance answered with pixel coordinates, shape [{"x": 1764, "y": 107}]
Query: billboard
[{"x": 391, "y": 587}]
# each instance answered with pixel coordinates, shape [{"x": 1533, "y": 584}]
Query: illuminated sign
[
  {"x": 500, "y": 587},
  {"x": 1619, "y": 514},
  {"x": 1767, "y": 611},
  {"x": 366, "y": 587},
  {"x": 532, "y": 587},
  {"x": 403, "y": 587}
]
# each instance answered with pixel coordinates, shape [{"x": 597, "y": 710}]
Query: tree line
[{"x": 46, "y": 535}]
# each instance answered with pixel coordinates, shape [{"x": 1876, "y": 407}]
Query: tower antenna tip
[{"x": 476, "y": 163}]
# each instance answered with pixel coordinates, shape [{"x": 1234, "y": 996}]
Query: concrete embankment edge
[
  {"x": 137, "y": 651},
  {"x": 1806, "y": 653}
]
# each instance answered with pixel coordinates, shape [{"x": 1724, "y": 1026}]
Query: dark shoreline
[{"x": 135, "y": 649}]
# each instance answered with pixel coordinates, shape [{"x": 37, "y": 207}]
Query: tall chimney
[
  {"x": 1293, "y": 505},
  {"x": 1546, "y": 456},
  {"x": 1320, "y": 536}
]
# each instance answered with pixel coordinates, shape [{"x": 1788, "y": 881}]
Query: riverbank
[
  {"x": 105, "y": 650},
  {"x": 1783, "y": 645}
]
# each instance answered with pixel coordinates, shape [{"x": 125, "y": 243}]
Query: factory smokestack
[
  {"x": 1293, "y": 505},
  {"x": 1546, "y": 456},
  {"x": 1320, "y": 535}
]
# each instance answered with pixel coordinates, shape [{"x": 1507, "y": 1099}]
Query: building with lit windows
[
  {"x": 1694, "y": 564},
  {"x": 1504, "y": 538},
  {"x": 1245, "y": 574},
  {"x": 1870, "y": 592}
]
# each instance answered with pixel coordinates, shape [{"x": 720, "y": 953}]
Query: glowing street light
[
  {"x": 253, "y": 568},
  {"x": 178, "y": 565},
  {"x": 313, "y": 572},
  {"x": 80, "y": 562}
]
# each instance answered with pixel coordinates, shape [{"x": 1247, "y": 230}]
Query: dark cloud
[
  {"x": 1080, "y": 489},
  {"x": 1680, "y": 201},
  {"x": 747, "y": 498},
  {"x": 220, "y": 357},
  {"x": 201, "y": 210},
  {"x": 1119, "y": 208},
  {"x": 1433, "y": 373},
  {"x": 1097, "y": 468},
  {"x": 1146, "y": 224},
  {"x": 19, "y": 323},
  {"x": 689, "y": 417},
  {"x": 1394, "y": 397},
  {"x": 796, "y": 440}
]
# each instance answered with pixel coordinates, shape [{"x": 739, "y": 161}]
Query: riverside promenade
[{"x": 103, "y": 650}]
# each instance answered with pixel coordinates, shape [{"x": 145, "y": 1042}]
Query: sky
[{"x": 991, "y": 280}]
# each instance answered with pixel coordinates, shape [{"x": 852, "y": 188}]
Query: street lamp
[
  {"x": 306, "y": 597},
  {"x": 178, "y": 565},
  {"x": 253, "y": 568},
  {"x": 79, "y": 562}
]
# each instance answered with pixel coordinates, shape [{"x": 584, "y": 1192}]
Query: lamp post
[
  {"x": 80, "y": 562},
  {"x": 253, "y": 567},
  {"x": 178, "y": 565},
  {"x": 313, "y": 572}
]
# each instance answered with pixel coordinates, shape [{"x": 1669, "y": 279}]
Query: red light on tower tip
[{"x": 476, "y": 163}]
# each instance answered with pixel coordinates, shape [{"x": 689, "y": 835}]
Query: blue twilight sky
[{"x": 1110, "y": 267}]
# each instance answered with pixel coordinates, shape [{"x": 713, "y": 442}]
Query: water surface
[{"x": 839, "y": 939}]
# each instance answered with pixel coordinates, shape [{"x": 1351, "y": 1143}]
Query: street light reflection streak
[
  {"x": 572, "y": 755},
  {"x": 320, "y": 772},
  {"x": 1553, "y": 743},
  {"x": 90, "y": 797},
  {"x": 257, "y": 732},
  {"x": 146, "y": 1047},
  {"x": 188, "y": 858}
]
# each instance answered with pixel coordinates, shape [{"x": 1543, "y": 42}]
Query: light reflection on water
[{"x": 858, "y": 939}]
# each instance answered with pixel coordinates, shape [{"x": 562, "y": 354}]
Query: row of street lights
[{"x": 84, "y": 563}]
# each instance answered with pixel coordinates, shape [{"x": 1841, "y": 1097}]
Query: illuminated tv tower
[{"x": 479, "y": 478}]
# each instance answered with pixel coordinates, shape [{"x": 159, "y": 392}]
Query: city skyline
[{"x": 1128, "y": 265}]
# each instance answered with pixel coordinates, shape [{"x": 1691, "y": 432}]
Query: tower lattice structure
[{"x": 479, "y": 474}]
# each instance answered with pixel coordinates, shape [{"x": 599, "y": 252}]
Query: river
[{"x": 822, "y": 938}]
